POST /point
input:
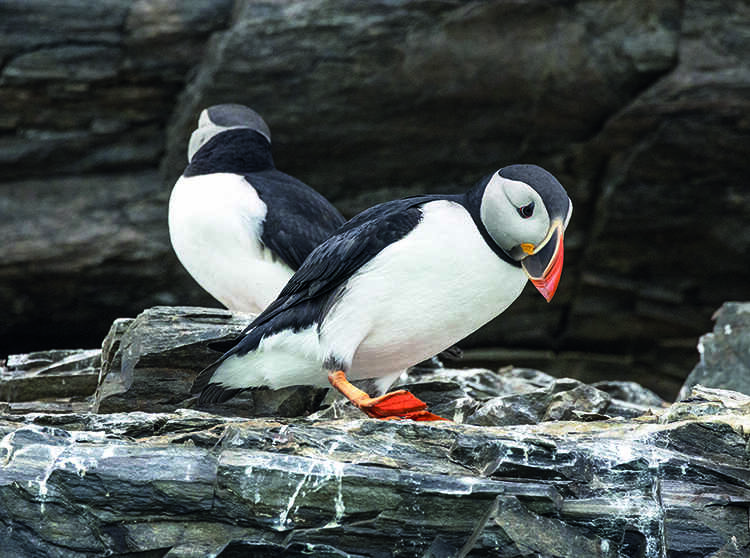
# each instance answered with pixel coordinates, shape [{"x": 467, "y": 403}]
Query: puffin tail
[
  {"x": 216, "y": 392},
  {"x": 211, "y": 393},
  {"x": 203, "y": 378}
]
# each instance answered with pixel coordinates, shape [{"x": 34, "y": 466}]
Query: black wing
[
  {"x": 298, "y": 217},
  {"x": 303, "y": 299},
  {"x": 352, "y": 246}
]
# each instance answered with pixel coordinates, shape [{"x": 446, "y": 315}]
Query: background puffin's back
[{"x": 639, "y": 108}]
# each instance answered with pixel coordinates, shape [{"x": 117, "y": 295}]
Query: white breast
[
  {"x": 215, "y": 223},
  {"x": 420, "y": 295}
]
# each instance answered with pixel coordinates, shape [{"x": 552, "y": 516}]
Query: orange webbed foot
[{"x": 399, "y": 404}]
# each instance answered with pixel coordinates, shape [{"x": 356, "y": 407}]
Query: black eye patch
[{"x": 526, "y": 211}]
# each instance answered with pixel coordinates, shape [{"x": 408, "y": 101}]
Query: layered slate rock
[
  {"x": 725, "y": 352},
  {"x": 149, "y": 363},
  {"x": 190, "y": 483},
  {"x": 639, "y": 108},
  {"x": 86, "y": 89},
  {"x": 50, "y": 381}
]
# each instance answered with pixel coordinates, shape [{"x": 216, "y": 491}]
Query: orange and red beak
[{"x": 544, "y": 267}]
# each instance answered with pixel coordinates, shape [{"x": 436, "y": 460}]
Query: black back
[
  {"x": 298, "y": 218},
  {"x": 338, "y": 258}
]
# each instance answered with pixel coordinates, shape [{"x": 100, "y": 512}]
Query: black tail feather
[
  {"x": 215, "y": 393},
  {"x": 224, "y": 346},
  {"x": 204, "y": 377}
]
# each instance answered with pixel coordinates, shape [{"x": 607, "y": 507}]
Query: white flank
[
  {"x": 281, "y": 360},
  {"x": 215, "y": 222},
  {"x": 415, "y": 298},
  {"x": 420, "y": 295}
]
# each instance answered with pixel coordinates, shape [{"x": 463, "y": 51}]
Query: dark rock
[
  {"x": 49, "y": 381},
  {"x": 564, "y": 404},
  {"x": 631, "y": 392},
  {"x": 724, "y": 353},
  {"x": 508, "y": 410},
  {"x": 112, "y": 228},
  {"x": 521, "y": 396},
  {"x": 149, "y": 364},
  {"x": 86, "y": 89},
  {"x": 191, "y": 483}
]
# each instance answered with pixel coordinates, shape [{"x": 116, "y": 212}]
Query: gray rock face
[
  {"x": 725, "y": 353},
  {"x": 148, "y": 364},
  {"x": 49, "y": 381},
  {"x": 195, "y": 484},
  {"x": 638, "y": 107},
  {"x": 531, "y": 465}
]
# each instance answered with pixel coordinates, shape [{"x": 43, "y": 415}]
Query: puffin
[
  {"x": 238, "y": 225},
  {"x": 398, "y": 283}
]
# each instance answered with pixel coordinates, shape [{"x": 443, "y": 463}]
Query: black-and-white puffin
[
  {"x": 237, "y": 224},
  {"x": 399, "y": 283}
]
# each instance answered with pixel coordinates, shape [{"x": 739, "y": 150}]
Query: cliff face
[{"x": 640, "y": 108}]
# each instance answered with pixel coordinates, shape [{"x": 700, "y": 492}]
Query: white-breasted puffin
[
  {"x": 238, "y": 225},
  {"x": 399, "y": 283}
]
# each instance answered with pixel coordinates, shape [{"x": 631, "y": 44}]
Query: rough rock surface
[
  {"x": 149, "y": 363},
  {"x": 725, "y": 353},
  {"x": 194, "y": 484},
  {"x": 639, "y": 107},
  {"x": 530, "y": 466},
  {"x": 50, "y": 381}
]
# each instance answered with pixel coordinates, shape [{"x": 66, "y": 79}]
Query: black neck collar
[
  {"x": 239, "y": 151},
  {"x": 473, "y": 202}
]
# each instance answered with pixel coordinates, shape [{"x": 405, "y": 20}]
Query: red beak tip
[
  {"x": 546, "y": 288},
  {"x": 547, "y": 285}
]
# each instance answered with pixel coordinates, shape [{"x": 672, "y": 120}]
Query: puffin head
[
  {"x": 219, "y": 118},
  {"x": 526, "y": 210}
]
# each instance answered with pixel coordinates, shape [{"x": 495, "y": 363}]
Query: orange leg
[{"x": 396, "y": 404}]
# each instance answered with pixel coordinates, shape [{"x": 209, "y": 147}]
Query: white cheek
[
  {"x": 497, "y": 214},
  {"x": 538, "y": 228}
]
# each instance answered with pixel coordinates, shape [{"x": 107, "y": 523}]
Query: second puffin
[
  {"x": 398, "y": 283},
  {"x": 240, "y": 226}
]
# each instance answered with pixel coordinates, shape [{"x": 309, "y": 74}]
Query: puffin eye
[{"x": 526, "y": 211}]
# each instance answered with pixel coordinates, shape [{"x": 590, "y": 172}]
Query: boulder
[
  {"x": 149, "y": 364},
  {"x": 724, "y": 353},
  {"x": 529, "y": 465}
]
